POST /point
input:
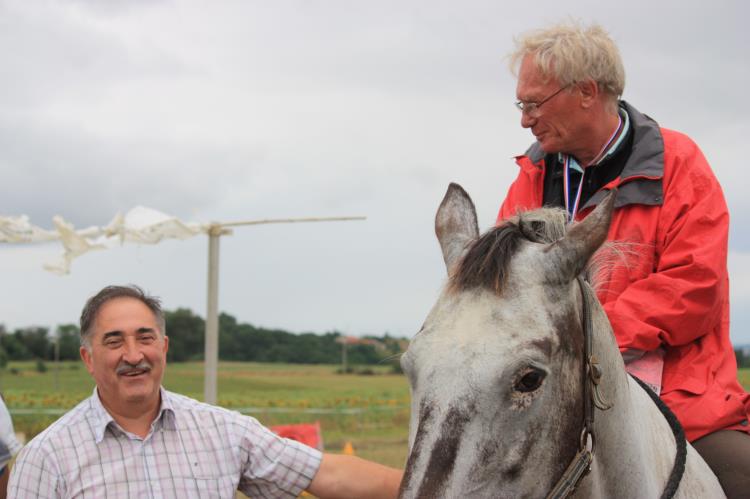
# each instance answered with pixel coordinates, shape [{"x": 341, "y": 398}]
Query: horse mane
[{"x": 486, "y": 261}]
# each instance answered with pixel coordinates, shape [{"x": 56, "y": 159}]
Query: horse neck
[{"x": 633, "y": 440}]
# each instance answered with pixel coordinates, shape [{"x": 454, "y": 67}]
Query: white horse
[{"x": 504, "y": 400}]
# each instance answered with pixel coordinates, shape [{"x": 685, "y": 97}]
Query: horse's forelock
[{"x": 486, "y": 261}]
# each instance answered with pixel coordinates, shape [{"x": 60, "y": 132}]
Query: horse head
[{"x": 495, "y": 371}]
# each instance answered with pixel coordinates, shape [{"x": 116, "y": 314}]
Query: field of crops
[{"x": 369, "y": 411}]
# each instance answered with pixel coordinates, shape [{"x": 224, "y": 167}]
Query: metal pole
[{"x": 211, "y": 361}]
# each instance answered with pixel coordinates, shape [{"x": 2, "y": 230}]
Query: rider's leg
[{"x": 727, "y": 453}]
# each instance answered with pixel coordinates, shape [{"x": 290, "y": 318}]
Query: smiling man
[
  {"x": 669, "y": 303},
  {"x": 132, "y": 438}
]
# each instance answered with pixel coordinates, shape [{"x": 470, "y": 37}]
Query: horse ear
[
  {"x": 568, "y": 256},
  {"x": 455, "y": 224}
]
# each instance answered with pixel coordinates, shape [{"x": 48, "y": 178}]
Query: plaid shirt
[{"x": 192, "y": 450}]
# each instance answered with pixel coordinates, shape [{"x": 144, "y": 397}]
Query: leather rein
[{"x": 580, "y": 466}]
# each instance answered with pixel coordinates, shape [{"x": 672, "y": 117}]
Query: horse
[{"x": 517, "y": 385}]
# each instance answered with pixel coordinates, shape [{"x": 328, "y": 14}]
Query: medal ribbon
[{"x": 573, "y": 210}]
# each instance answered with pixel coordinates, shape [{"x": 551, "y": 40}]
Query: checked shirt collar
[{"x": 101, "y": 419}]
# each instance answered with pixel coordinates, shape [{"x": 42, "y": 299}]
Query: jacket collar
[
  {"x": 647, "y": 156},
  {"x": 535, "y": 153}
]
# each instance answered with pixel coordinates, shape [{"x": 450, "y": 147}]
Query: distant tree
[
  {"x": 363, "y": 354},
  {"x": 36, "y": 340},
  {"x": 186, "y": 335},
  {"x": 14, "y": 347},
  {"x": 228, "y": 346},
  {"x": 69, "y": 337},
  {"x": 743, "y": 360},
  {"x": 26, "y": 343},
  {"x": 246, "y": 342},
  {"x": 254, "y": 344},
  {"x": 309, "y": 348},
  {"x": 3, "y": 352}
]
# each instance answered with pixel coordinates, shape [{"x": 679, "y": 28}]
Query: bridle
[{"x": 580, "y": 465}]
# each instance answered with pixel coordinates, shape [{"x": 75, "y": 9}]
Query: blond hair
[{"x": 572, "y": 53}]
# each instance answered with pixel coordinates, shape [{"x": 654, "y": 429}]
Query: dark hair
[
  {"x": 91, "y": 309},
  {"x": 486, "y": 262}
]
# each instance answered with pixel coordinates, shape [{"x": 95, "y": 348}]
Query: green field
[{"x": 371, "y": 412}]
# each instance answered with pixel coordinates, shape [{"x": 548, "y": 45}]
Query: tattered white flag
[{"x": 140, "y": 225}]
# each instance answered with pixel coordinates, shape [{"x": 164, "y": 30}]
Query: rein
[
  {"x": 580, "y": 466},
  {"x": 679, "y": 437}
]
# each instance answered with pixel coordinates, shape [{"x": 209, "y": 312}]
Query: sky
[{"x": 242, "y": 110}]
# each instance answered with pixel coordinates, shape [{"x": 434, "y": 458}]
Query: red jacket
[{"x": 675, "y": 292}]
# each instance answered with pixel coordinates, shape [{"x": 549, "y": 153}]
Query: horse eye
[{"x": 530, "y": 381}]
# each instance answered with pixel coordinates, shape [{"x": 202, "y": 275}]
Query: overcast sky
[{"x": 224, "y": 111}]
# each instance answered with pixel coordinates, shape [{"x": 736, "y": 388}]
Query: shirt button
[{"x": 744, "y": 423}]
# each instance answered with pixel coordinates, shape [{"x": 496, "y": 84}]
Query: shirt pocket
[
  {"x": 223, "y": 487},
  {"x": 214, "y": 487}
]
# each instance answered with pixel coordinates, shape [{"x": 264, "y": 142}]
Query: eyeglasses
[{"x": 532, "y": 108}]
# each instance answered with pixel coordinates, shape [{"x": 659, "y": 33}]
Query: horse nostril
[{"x": 530, "y": 381}]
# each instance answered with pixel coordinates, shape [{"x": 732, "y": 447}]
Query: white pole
[
  {"x": 57, "y": 361},
  {"x": 211, "y": 361},
  {"x": 215, "y": 231}
]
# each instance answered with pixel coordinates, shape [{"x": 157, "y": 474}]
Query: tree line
[{"x": 237, "y": 341}]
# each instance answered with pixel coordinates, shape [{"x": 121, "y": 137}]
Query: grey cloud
[
  {"x": 88, "y": 179},
  {"x": 48, "y": 54}
]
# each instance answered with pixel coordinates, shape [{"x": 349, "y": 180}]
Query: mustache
[{"x": 124, "y": 367}]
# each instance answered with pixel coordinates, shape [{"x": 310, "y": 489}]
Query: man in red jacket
[{"x": 669, "y": 303}]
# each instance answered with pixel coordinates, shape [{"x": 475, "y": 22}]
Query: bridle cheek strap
[{"x": 580, "y": 466}]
